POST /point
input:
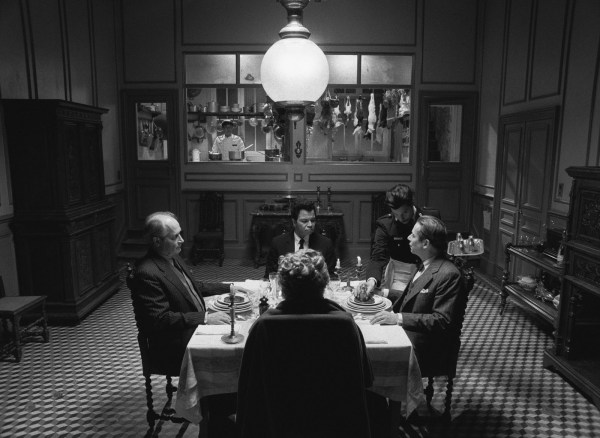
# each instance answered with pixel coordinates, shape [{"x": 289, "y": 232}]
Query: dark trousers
[
  {"x": 219, "y": 408},
  {"x": 379, "y": 415}
]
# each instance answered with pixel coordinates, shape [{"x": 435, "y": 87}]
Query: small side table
[
  {"x": 12, "y": 309},
  {"x": 461, "y": 255}
]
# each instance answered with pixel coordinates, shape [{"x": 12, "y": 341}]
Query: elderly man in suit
[
  {"x": 429, "y": 307},
  {"x": 169, "y": 305},
  {"x": 302, "y": 237}
]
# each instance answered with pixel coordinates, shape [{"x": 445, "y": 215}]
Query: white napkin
[
  {"x": 374, "y": 334},
  {"x": 223, "y": 329}
]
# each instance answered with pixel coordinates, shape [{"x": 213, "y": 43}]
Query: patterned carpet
[{"x": 88, "y": 381}]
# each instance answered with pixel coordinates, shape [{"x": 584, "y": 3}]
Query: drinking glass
[
  {"x": 333, "y": 287},
  {"x": 274, "y": 280}
]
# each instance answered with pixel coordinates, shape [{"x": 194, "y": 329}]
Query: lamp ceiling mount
[{"x": 295, "y": 11}]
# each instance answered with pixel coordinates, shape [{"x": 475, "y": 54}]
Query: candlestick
[
  {"x": 360, "y": 269},
  {"x": 232, "y": 337},
  {"x": 358, "y": 261}
]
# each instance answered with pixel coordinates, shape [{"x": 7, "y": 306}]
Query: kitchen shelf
[{"x": 521, "y": 296}]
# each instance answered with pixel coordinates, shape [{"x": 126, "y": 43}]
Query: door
[
  {"x": 446, "y": 155},
  {"x": 526, "y": 152},
  {"x": 151, "y": 153}
]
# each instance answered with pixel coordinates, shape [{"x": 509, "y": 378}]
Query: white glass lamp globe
[{"x": 294, "y": 72}]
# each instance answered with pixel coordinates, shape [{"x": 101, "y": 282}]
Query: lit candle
[
  {"x": 338, "y": 264},
  {"x": 358, "y": 261}
]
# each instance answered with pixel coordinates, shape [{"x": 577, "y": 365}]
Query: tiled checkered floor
[{"x": 88, "y": 382}]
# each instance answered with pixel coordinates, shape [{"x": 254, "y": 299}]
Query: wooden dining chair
[
  {"x": 149, "y": 368},
  {"x": 209, "y": 241},
  {"x": 447, "y": 365},
  {"x": 23, "y": 320},
  {"x": 303, "y": 376}
]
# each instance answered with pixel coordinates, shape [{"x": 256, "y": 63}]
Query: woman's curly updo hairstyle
[{"x": 303, "y": 275}]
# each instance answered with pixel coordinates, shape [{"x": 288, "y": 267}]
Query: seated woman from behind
[{"x": 303, "y": 276}]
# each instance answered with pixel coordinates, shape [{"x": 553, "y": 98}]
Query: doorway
[
  {"x": 151, "y": 153},
  {"x": 446, "y": 155}
]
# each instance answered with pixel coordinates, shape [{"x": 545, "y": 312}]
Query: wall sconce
[
  {"x": 294, "y": 71},
  {"x": 298, "y": 149}
]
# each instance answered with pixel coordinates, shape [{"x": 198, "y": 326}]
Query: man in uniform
[{"x": 392, "y": 262}]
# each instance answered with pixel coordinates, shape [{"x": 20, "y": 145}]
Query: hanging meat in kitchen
[
  {"x": 336, "y": 114},
  {"x": 381, "y": 124},
  {"x": 383, "y": 110},
  {"x": 348, "y": 110},
  {"x": 326, "y": 114},
  {"x": 358, "y": 116},
  {"x": 372, "y": 117}
]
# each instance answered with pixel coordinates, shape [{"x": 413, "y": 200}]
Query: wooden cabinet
[
  {"x": 576, "y": 352},
  {"x": 522, "y": 260},
  {"x": 63, "y": 223}
]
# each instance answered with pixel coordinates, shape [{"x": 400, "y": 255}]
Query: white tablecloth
[{"x": 211, "y": 366}]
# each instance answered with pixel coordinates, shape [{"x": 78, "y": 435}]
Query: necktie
[
  {"x": 301, "y": 244},
  {"x": 188, "y": 286}
]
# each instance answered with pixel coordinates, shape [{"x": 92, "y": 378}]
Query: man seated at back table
[
  {"x": 428, "y": 308},
  {"x": 303, "y": 236}
]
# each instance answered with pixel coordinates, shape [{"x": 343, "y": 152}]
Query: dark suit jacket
[
  {"x": 390, "y": 241},
  {"x": 164, "y": 310},
  {"x": 284, "y": 244},
  {"x": 304, "y": 372},
  {"x": 432, "y": 310}
]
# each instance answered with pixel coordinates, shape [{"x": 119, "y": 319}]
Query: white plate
[
  {"x": 218, "y": 307},
  {"x": 357, "y": 308}
]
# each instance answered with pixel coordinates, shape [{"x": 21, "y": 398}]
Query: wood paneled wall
[
  {"x": 537, "y": 54},
  {"x": 442, "y": 37},
  {"x": 59, "y": 49},
  {"x": 238, "y": 219}
]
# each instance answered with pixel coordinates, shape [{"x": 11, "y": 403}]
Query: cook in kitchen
[{"x": 228, "y": 141}]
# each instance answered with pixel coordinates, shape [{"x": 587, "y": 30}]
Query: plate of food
[
  {"x": 373, "y": 304},
  {"x": 239, "y": 298},
  {"x": 220, "y": 307}
]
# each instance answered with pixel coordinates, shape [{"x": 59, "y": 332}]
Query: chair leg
[
  {"x": 448, "y": 401},
  {"x": 150, "y": 415},
  {"x": 17, "y": 337},
  {"x": 170, "y": 388},
  {"x": 429, "y": 391},
  {"x": 45, "y": 331}
]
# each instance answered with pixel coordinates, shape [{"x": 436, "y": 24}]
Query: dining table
[{"x": 211, "y": 366}]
